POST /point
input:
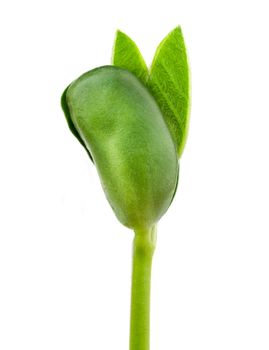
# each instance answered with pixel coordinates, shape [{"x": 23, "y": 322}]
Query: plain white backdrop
[{"x": 65, "y": 261}]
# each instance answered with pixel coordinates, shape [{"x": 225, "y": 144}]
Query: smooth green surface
[
  {"x": 126, "y": 55},
  {"x": 123, "y": 129},
  {"x": 143, "y": 249},
  {"x": 169, "y": 83}
]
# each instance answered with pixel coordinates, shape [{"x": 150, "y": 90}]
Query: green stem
[{"x": 143, "y": 249}]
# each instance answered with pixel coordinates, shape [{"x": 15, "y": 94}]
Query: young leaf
[
  {"x": 126, "y": 55},
  {"x": 169, "y": 84}
]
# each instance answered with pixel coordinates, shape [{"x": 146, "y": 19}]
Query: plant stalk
[{"x": 143, "y": 249}]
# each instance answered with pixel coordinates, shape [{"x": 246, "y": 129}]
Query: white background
[{"x": 65, "y": 261}]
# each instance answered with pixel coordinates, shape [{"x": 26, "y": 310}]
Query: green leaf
[
  {"x": 126, "y": 55},
  {"x": 169, "y": 84}
]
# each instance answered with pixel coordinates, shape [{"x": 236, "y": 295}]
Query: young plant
[{"x": 133, "y": 124}]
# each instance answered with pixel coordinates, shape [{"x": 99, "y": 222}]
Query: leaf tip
[
  {"x": 119, "y": 37},
  {"x": 177, "y": 31}
]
